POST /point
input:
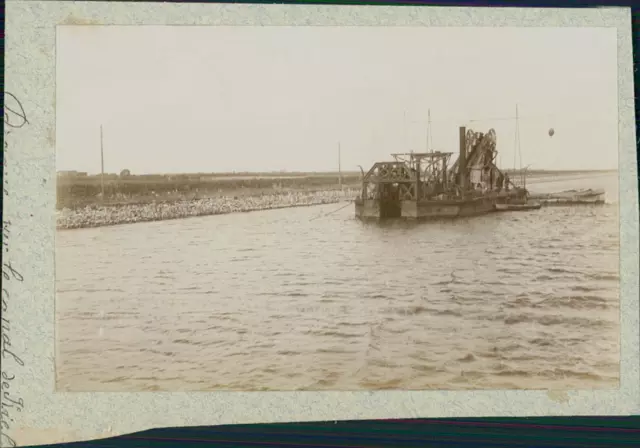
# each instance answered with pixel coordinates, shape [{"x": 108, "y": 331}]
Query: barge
[
  {"x": 572, "y": 197},
  {"x": 518, "y": 207},
  {"x": 422, "y": 186}
]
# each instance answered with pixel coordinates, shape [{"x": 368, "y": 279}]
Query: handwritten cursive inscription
[
  {"x": 11, "y": 403},
  {"x": 14, "y": 114}
]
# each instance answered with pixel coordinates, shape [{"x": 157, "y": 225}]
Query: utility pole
[
  {"x": 429, "y": 148},
  {"x": 339, "y": 166},
  {"x": 101, "y": 163}
]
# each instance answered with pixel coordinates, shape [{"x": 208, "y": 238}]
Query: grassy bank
[{"x": 81, "y": 191}]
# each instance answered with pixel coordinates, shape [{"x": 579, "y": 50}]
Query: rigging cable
[{"x": 327, "y": 214}]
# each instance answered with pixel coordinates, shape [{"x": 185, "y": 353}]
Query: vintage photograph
[{"x": 278, "y": 208}]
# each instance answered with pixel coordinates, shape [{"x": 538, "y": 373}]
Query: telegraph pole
[
  {"x": 339, "y": 165},
  {"x": 429, "y": 148},
  {"x": 101, "y": 163}
]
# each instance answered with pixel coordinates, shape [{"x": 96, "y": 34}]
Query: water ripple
[{"x": 276, "y": 301}]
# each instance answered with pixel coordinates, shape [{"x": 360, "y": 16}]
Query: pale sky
[{"x": 219, "y": 99}]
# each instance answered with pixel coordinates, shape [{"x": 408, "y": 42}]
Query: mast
[
  {"x": 404, "y": 125},
  {"x": 515, "y": 142},
  {"x": 101, "y": 163},
  {"x": 517, "y": 146}
]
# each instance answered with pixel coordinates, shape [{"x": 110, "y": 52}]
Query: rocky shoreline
[{"x": 100, "y": 216}]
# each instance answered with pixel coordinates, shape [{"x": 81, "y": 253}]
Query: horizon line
[{"x": 214, "y": 173}]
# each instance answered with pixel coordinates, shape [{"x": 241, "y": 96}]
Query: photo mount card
[{"x": 120, "y": 284}]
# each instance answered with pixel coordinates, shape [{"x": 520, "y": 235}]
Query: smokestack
[{"x": 462, "y": 159}]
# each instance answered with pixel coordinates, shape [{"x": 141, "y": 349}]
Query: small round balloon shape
[{"x": 551, "y": 132}]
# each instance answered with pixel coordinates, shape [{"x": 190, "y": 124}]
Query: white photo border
[{"x": 38, "y": 414}]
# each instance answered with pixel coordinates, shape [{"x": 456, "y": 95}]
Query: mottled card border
[{"x": 43, "y": 416}]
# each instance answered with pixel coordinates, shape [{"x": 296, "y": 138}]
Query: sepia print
[{"x": 336, "y": 208}]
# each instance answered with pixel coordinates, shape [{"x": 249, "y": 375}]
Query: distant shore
[
  {"x": 96, "y": 215},
  {"x": 78, "y": 190},
  {"x": 143, "y": 198}
]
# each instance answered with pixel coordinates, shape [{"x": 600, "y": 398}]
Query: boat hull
[
  {"x": 426, "y": 210},
  {"x": 517, "y": 207},
  {"x": 572, "y": 197},
  {"x": 583, "y": 201}
]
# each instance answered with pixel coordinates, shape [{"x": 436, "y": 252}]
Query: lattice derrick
[{"x": 390, "y": 172}]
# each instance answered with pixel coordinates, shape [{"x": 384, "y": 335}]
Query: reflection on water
[{"x": 276, "y": 301}]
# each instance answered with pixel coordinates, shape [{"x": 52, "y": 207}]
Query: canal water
[{"x": 306, "y": 299}]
